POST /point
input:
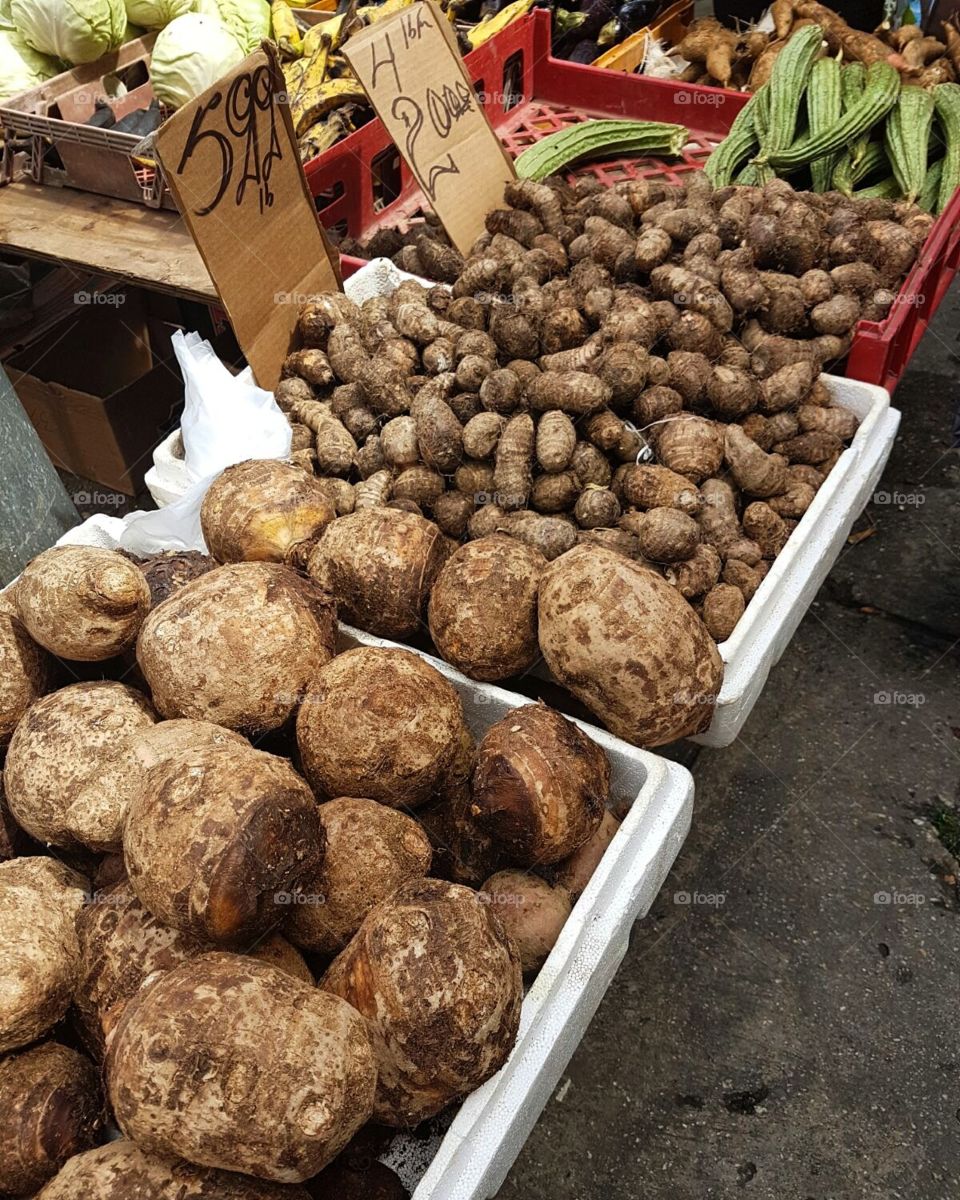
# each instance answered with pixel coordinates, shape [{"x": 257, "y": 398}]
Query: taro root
[
  {"x": 370, "y": 851},
  {"x": 237, "y": 646},
  {"x": 379, "y": 565},
  {"x": 379, "y": 723},
  {"x": 540, "y": 785},
  {"x": 531, "y": 911},
  {"x": 52, "y": 1109},
  {"x": 483, "y": 607},
  {"x": 230, "y": 1063},
  {"x": 628, "y": 645},
  {"x": 122, "y": 944},
  {"x": 63, "y": 744},
  {"x": 169, "y": 570},
  {"x": 439, "y": 984},
  {"x": 575, "y": 872},
  {"x": 39, "y": 902},
  {"x": 264, "y": 510},
  {"x": 99, "y": 806},
  {"x": 81, "y": 602},
  {"x": 218, "y": 839},
  {"x": 25, "y": 673},
  {"x": 121, "y": 1170}
]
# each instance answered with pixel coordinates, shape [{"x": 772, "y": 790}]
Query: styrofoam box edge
[{"x": 494, "y": 1122}]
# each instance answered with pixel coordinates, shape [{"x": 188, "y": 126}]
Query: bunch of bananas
[{"x": 326, "y": 99}]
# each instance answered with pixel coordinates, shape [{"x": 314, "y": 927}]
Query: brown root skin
[
  {"x": 285, "y": 1039},
  {"x": 668, "y": 535},
  {"x": 587, "y": 641},
  {"x": 556, "y": 440},
  {"x": 540, "y": 785},
  {"x": 81, "y": 602},
  {"x": 479, "y": 988},
  {"x": 651, "y": 486},
  {"x": 513, "y": 464},
  {"x": 767, "y": 529},
  {"x": 483, "y": 607},
  {"x": 348, "y": 749},
  {"x": 690, "y": 446},
  {"x": 53, "y": 1109},
  {"x": 720, "y": 526},
  {"x": 697, "y": 574},
  {"x": 552, "y": 536},
  {"x": 723, "y": 606},
  {"x": 263, "y": 510},
  {"x": 40, "y": 901},
  {"x": 836, "y": 420},
  {"x": 755, "y": 472},
  {"x": 531, "y": 911}
]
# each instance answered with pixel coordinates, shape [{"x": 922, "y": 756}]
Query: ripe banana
[
  {"x": 285, "y": 30},
  {"x": 492, "y": 25}
]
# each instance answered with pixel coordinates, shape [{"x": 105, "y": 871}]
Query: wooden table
[{"x": 147, "y": 247}]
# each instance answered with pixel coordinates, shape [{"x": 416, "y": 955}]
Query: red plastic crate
[{"x": 362, "y": 183}]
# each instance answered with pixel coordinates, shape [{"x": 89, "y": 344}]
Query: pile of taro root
[
  {"x": 258, "y": 964},
  {"x": 634, "y": 367}
]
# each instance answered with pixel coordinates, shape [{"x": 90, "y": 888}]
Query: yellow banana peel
[
  {"x": 490, "y": 27},
  {"x": 285, "y": 30},
  {"x": 309, "y": 102}
]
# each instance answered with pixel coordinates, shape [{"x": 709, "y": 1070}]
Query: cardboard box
[{"x": 100, "y": 393}]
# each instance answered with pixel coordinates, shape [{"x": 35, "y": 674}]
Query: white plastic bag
[{"x": 226, "y": 419}]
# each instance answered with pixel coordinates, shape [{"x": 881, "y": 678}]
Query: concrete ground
[{"x": 792, "y": 1032}]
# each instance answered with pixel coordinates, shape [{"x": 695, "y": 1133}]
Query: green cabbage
[
  {"x": 21, "y": 68},
  {"x": 77, "y": 31},
  {"x": 154, "y": 14},
  {"x": 247, "y": 20},
  {"x": 190, "y": 55}
]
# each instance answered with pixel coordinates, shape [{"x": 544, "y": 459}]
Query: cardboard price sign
[
  {"x": 411, "y": 69},
  {"x": 230, "y": 159}
]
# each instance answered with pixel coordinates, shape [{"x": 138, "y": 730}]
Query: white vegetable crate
[
  {"x": 471, "y": 1160},
  {"x": 491, "y": 1126},
  {"x": 772, "y": 616}
]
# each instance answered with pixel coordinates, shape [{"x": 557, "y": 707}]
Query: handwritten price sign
[
  {"x": 230, "y": 159},
  {"x": 411, "y": 69}
]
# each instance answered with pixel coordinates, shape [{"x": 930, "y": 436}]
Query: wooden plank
[{"x": 149, "y": 247}]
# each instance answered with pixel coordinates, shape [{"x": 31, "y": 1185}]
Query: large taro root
[
  {"x": 379, "y": 565},
  {"x": 483, "y": 607},
  {"x": 218, "y": 838},
  {"x": 122, "y": 944},
  {"x": 81, "y": 602},
  {"x": 370, "y": 850},
  {"x": 540, "y": 785},
  {"x": 264, "y": 510},
  {"x": 52, "y": 1109},
  {"x": 237, "y": 646},
  {"x": 628, "y": 645},
  {"x": 25, "y": 673},
  {"x": 439, "y": 983},
  {"x": 233, "y": 1064},
  {"x": 381, "y": 724},
  {"x": 169, "y": 570},
  {"x": 39, "y": 902},
  {"x": 61, "y": 747},
  {"x": 121, "y": 1170}
]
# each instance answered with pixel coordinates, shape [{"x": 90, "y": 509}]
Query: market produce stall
[{"x": 333, "y": 779}]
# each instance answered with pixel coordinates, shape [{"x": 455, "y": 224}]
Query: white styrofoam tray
[
  {"x": 773, "y": 614},
  {"x": 491, "y": 1126},
  {"x": 471, "y": 1159}
]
